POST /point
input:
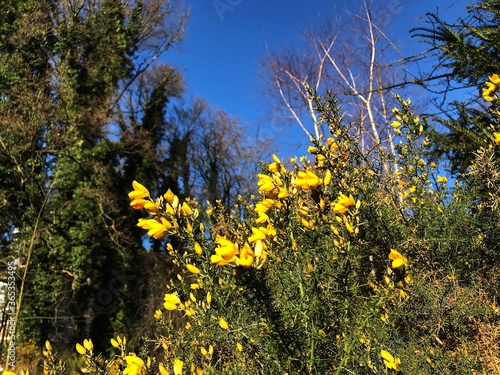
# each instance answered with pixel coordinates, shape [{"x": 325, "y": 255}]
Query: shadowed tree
[
  {"x": 463, "y": 54},
  {"x": 64, "y": 67}
]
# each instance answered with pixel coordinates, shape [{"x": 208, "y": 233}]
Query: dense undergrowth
[{"x": 345, "y": 263}]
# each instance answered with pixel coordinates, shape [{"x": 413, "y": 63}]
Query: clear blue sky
[{"x": 227, "y": 40}]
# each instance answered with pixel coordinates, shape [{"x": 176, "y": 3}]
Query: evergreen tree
[
  {"x": 467, "y": 52},
  {"x": 64, "y": 66}
]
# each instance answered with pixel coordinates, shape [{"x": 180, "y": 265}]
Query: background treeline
[{"x": 85, "y": 109}]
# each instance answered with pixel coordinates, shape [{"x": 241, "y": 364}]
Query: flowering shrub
[{"x": 343, "y": 263}]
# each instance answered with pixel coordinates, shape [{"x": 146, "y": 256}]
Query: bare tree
[
  {"x": 222, "y": 157},
  {"x": 354, "y": 59}
]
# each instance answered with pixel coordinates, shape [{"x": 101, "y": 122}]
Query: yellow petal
[
  {"x": 386, "y": 356},
  {"x": 169, "y": 196},
  {"x": 178, "y": 366},
  {"x": 223, "y": 323},
  {"x": 163, "y": 370},
  {"x": 398, "y": 263},
  {"x": 137, "y": 204},
  {"x": 496, "y": 138},
  {"x": 186, "y": 210},
  {"x": 495, "y": 79},
  {"x": 80, "y": 349},
  {"x": 197, "y": 248},
  {"x": 151, "y": 207},
  {"x": 339, "y": 209},
  {"x": 394, "y": 254},
  {"x": 328, "y": 178},
  {"x": 193, "y": 269},
  {"x": 88, "y": 344},
  {"x": 140, "y": 191}
]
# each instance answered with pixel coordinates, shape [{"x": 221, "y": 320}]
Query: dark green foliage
[
  {"x": 466, "y": 52},
  {"x": 63, "y": 187},
  {"x": 83, "y": 113}
]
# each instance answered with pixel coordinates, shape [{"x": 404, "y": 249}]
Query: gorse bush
[{"x": 345, "y": 263}]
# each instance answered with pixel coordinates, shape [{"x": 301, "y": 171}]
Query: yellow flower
[
  {"x": 171, "y": 301},
  {"x": 157, "y": 315},
  {"x": 276, "y": 166},
  {"x": 262, "y": 218},
  {"x": 88, "y": 344},
  {"x": 396, "y": 124},
  {"x": 203, "y": 351},
  {"x": 489, "y": 90},
  {"x": 197, "y": 248},
  {"x": 496, "y": 138},
  {"x": 163, "y": 370},
  {"x": 48, "y": 346},
  {"x": 266, "y": 184},
  {"x": 169, "y": 196},
  {"x": 152, "y": 207},
  {"x": 346, "y": 201},
  {"x": 398, "y": 261},
  {"x": 257, "y": 235},
  {"x": 6, "y": 372},
  {"x": 193, "y": 269},
  {"x": 339, "y": 209},
  {"x": 186, "y": 210},
  {"x": 264, "y": 206},
  {"x": 80, "y": 349},
  {"x": 269, "y": 231},
  {"x": 389, "y": 361},
  {"x": 135, "y": 365},
  {"x": 495, "y": 79},
  {"x": 490, "y": 86},
  {"x": 219, "y": 260},
  {"x": 223, "y": 323},
  {"x": 283, "y": 193},
  {"x": 246, "y": 256},
  {"x": 384, "y": 317},
  {"x": 442, "y": 179},
  {"x": 178, "y": 366},
  {"x": 343, "y": 203},
  {"x": 328, "y": 178},
  {"x": 225, "y": 253},
  {"x": 137, "y": 204},
  {"x": 349, "y": 227},
  {"x": 307, "y": 180},
  {"x": 139, "y": 191}
]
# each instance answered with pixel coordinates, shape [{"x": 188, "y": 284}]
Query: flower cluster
[
  {"x": 129, "y": 363},
  {"x": 166, "y": 211},
  {"x": 389, "y": 361},
  {"x": 489, "y": 92}
]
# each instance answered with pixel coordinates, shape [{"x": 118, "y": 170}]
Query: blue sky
[{"x": 226, "y": 42}]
